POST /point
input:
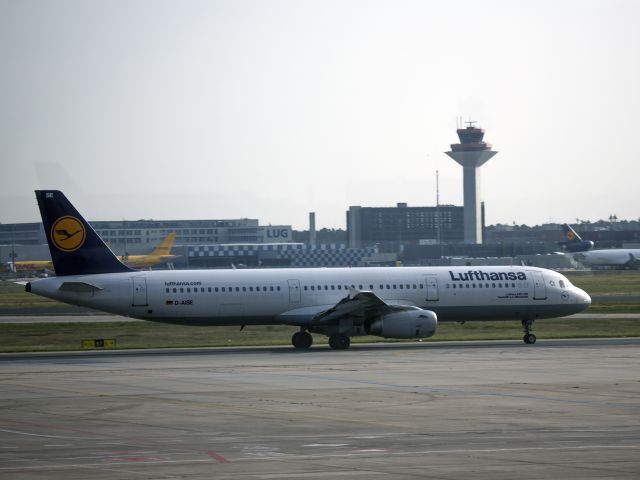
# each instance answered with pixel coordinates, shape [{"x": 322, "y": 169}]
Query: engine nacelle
[{"x": 416, "y": 323}]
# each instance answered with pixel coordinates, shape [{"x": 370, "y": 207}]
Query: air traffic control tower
[{"x": 471, "y": 153}]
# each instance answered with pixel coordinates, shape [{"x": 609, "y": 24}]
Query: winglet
[{"x": 76, "y": 249}]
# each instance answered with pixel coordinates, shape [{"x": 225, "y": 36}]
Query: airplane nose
[{"x": 583, "y": 298}]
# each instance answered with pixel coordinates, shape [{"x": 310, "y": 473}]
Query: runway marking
[
  {"x": 326, "y": 445},
  {"x": 371, "y": 450},
  {"x": 216, "y": 456}
]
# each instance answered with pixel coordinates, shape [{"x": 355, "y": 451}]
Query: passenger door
[
  {"x": 431, "y": 283},
  {"x": 539, "y": 287},
  {"x": 139, "y": 292},
  {"x": 294, "y": 291}
]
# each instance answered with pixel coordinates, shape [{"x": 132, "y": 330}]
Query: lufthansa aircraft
[
  {"x": 609, "y": 257},
  {"x": 391, "y": 302},
  {"x": 573, "y": 242}
]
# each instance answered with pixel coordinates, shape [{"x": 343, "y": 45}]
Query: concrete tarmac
[{"x": 484, "y": 410}]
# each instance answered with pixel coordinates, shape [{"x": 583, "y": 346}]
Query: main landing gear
[
  {"x": 339, "y": 341},
  {"x": 529, "y": 338},
  {"x": 302, "y": 340}
]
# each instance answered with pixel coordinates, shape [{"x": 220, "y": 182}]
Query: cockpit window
[{"x": 562, "y": 284}]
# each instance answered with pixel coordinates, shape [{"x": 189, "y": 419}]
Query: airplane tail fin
[
  {"x": 570, "y": 234},
  {"x": 165, "y": 247},
  {"x": 76, "y": 249},
  {"x": 573, "y": 242}
]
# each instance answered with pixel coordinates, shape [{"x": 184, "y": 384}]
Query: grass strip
[{"x": 39, "y": 337}]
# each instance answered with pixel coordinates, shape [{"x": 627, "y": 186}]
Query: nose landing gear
[{"x": 528, "y": 338}]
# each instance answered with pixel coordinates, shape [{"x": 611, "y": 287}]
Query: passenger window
[
  {"x": 264, "y": 289},
  {"x": 305, "y": 288},
  {"x": 493, "y": 285},
  {"x": 181, "y": 290},
  {"x": 360, "y": 287},
  {"x": 175, "y": 290},
  {"x": 415, "y": 287},
  {"x": 209, "y": 289},
  {"x": 333, "y": 287},
  {"x": 244, "y": 289},
  {"x": 313, "y": 287},
  {"x": 388, "y": 286},
  {"x": 167, "y": 290},
  {"x": 421, "y": 287},
  {"x": 467, "y": 285},
  {"x": 216, "y": 289},
  {"x": 278, "y": 287},
  {"x": 188, "y": 290},
  {"x": 395, "y": 287},
  {"x": 473, "y": 285},
  {"x": 479, "y": 285},
  {"x": 370, "y": 287},
  {"x": 401, "y": 287},
  {"x": 251, "y": 289},
  {"x": 271, "y": 289},
  {"x": 326, "y": 287},
  {"x": 223, "y": 289}
]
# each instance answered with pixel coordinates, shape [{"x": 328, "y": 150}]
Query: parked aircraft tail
[
  {"x": 165, "y": 247},
  {"x": 76, "y": 249},
  {"x": 573, "y": 242}
]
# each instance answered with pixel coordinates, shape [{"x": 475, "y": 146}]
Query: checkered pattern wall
[{"x": 299, "y": 254}]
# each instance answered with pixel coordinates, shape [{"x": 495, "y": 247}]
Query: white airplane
[
  {"x": 610, "y": 257},
  {"x": 391, "y": 302}
]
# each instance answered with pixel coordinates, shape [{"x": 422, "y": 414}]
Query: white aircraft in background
[
  {"x": 582, "y": 252},
  {"x": 392, "y": 302},
  {"x": 610, "y": 257}
]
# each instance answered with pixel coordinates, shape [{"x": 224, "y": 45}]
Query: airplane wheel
[
  {"x": 529, "y": 338},
  {"x": 339, "y": 341},
  {"x": 302, "y": 340}
]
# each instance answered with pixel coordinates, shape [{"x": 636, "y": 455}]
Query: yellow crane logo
[{"x": 68, "y": 234}]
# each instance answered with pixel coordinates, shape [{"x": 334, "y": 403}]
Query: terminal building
[
  {"x": 145, "y": 234},
  {"x": 402, "y": 225}
]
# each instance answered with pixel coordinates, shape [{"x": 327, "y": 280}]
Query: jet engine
[{"x": 416, "y": 323}]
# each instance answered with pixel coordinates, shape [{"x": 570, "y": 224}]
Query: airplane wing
[{"x": 357, "y": 305}]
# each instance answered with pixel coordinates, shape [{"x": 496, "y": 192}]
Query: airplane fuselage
[
  {"x": 296, "y": 296},
  {"x": 611, "y": 257}
]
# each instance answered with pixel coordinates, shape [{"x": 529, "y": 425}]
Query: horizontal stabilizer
[{"x": 79, "y": 287}]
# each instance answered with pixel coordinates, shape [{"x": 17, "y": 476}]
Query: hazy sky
[{"x": 271, "y": 109}]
